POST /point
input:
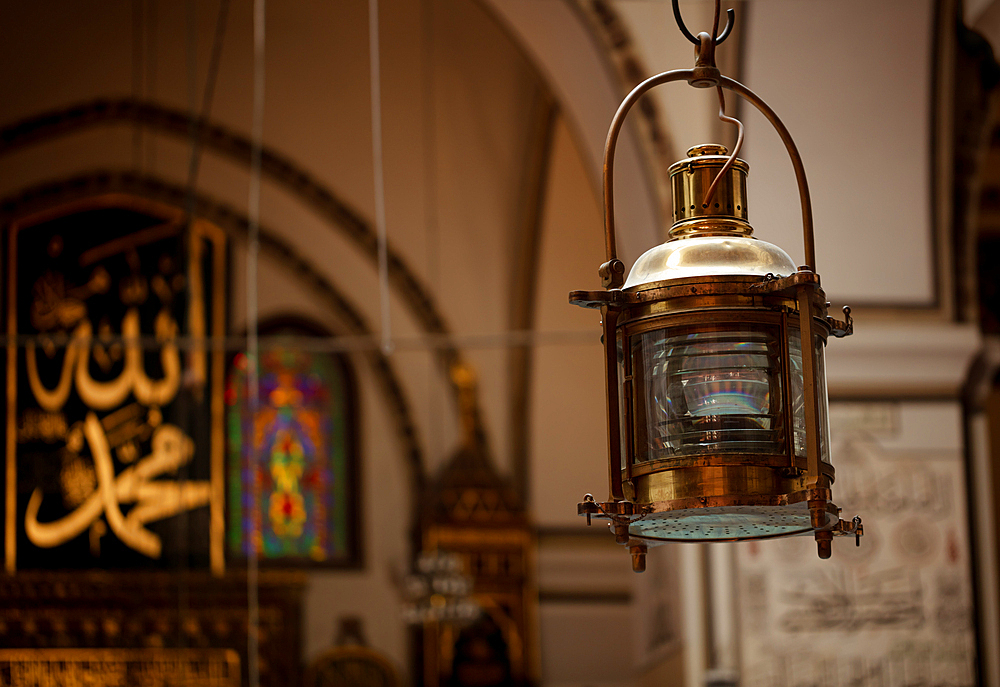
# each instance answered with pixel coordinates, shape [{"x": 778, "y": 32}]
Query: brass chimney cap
[
  {"x": 707, "y": 155},
  {"x": 726, "y": 212}
]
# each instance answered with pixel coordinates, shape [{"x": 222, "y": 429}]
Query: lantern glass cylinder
[{"x": 711, "y": 389}]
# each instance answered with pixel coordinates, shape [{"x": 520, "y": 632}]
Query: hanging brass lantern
[{"x": 714, "y": 357}]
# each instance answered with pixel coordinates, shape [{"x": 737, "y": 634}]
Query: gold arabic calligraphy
[
  {"x": 133, "y": 379},
  {"x": 153, "y": 500},
  {"x": 170, "y": 447}
]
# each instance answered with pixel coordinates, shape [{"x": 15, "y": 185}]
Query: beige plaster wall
[{"x": 458, "y": 95}]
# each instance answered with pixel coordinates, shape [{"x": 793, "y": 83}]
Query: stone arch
[
  {"x": 567, "y": 45},
  {"x": 236, "y": 224},
  {"x": 282, "y": 170}
]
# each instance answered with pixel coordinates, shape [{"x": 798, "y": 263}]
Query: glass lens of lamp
[
  {"x": 706, "y": 391},
  {"x": 798, "y": 396},
  {"x": 709, "y": 391}
]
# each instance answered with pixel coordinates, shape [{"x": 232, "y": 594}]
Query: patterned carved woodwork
[
  {"x": 472, "y": 512},
  {"x": 128, "y": 611},
  {"x": 119, "y": 667}
]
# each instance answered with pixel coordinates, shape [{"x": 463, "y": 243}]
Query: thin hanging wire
[
  {"x": 736, "y": 149},
  {"x": 138, "y": 68},
  {"x": 206, "y": 103},
  {"x": 433, "y": 253},
  {"x": 198, "y": 116},
  {"x": 150, "y": 89},
  {"x": 191, "y": 60},
  {"x": 253, "y": 389},
  {"x": 722, "y": 108},
  {"x": 183, "y": 522},
  {"x": 380, "y": 228}
]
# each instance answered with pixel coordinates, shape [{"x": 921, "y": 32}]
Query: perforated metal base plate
[{"x": 726, "y": 523}]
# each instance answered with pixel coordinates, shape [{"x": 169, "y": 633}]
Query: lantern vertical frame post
[{"x": 609, "y": 317}]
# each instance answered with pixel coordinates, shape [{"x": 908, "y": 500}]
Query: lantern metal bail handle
[{"x": 704, "y": 75}]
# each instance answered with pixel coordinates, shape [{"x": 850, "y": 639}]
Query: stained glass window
[{"x": 290, "y": 461}]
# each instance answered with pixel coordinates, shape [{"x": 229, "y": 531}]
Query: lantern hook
[{"x": 730, "y": 20}]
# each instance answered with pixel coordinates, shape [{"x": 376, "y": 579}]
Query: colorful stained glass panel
[{"x": 289, "y": 471}]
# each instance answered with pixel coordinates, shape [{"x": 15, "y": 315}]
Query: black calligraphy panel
[{"x": 115, "y": 425}]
